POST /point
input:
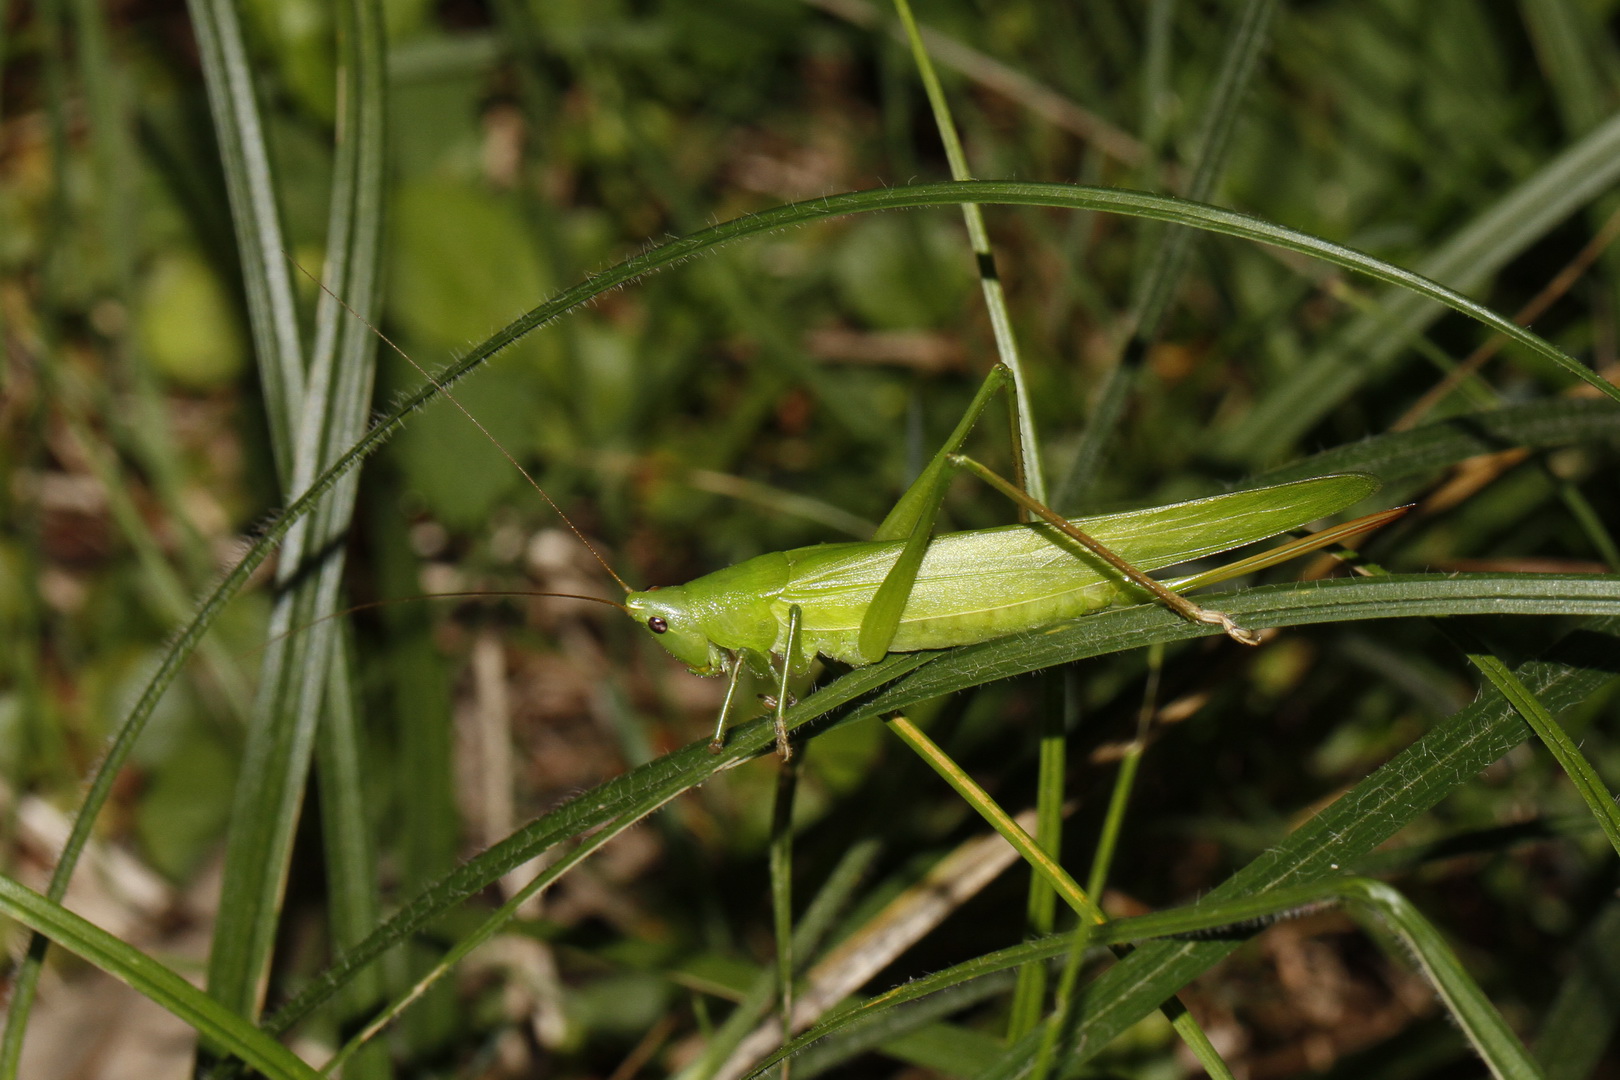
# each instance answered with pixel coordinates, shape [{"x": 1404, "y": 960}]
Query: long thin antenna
[
  {"x": 445, "y": 390},
  {"x": 390, "y": 601}
]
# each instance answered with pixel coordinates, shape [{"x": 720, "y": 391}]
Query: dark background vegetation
[{"x": 777, "y": 393}]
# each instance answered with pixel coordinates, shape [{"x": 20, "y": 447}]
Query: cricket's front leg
[
  {"x": 718, "y": 742},
  {"x": 784, "y": 749},
  {"x": 912, "y": 520}
]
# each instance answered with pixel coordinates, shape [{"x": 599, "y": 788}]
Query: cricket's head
[{"x": 668, "y": 614}]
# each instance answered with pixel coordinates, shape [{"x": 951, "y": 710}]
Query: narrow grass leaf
[
  {"x": 1575, "y": 764},
  {"x": 998, "y": 819},
  {"x": 330, "y": 418},
  {"x": 128, "y": 964},
  {"x": 1446, "y": 757},
  {"x": 815, "y": 924},
  {"x": 1032, "y": 474},
  {"x": 1400, "y": 454},
  {"x": 1057, "y": 879},
  {"x": 915, "y": 1034},
  {"x": 1564, "y": 35},
  {"x": 1483, "y": 1025},
  {"x": 1157, "y": 286},
  {"x": 917, "y": 677},
  {"x": 273, "y": 319},
  {"x": 639, "y": 791},
  {"x": 1398, "y": 595},
  {"x": 239, "y": 128},
  {"x": 1371, "y": 343},
  {"x": 781, "y": 874},
  {"x": 354, "y": 905},
  {"x": 485, "y": 930},
  {"x": 1489, "y": 1034}
]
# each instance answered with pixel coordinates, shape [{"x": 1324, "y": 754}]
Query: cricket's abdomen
[{"x": 991, "y": 582}]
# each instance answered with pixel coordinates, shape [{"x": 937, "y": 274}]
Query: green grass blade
[
  {"x": 1564, "y": 35},
  {"x": 915, "y": 1036},
  {"x": 1157, "y": 96},
  {"x": 1157, "y": 286},
  {"x": 919, "y": 677},
  {"x": 1125, "y": 781},
  {"x": 1445, "y": 757},
  {"x": 1106, "y": 200},
  {"x": 352, "y": 876},
  {"x": 1469, "y": 1008},
  {"x": 1395, "y": 596},
  {"x": 781, "y": 874},
  {"x": 1031, "y": 472},
  {"x": 24, "y": 621},
  {"x": 338, "y": 395},
  {"x": 1489, "y": 1034},
  {"x": 1060, "y": 708},
  {"x": 813, "y": 927},
  {"x": 274, "y": 322},
  {"x": 1030, "y": 475},
  {"x": 1050, "y": 870},
  {"x": 1247, "y": 42},
  {"x": 1575, "y": 764},
  {"x": 1591, "y": 523},
  {"x": 239, "y": 130},
  {"x": 351, "y": 865},
  {"x": 628, "y": 794},
  {"x": 1018, "y": 87},
  {"x": 164, "y": 582},
  {"x": 957, "y": 979},
  {"x": 618, "y": 803},
  {"x": 962, "y": 979},
  {"x": 27, "y": 620},
  {"x": 1400, "y": 454},
  {"x": 128, "y": 964},
  {"x": 107, "y": 91},
  {"x": 485, "y": 930},
  {"x": 1372, "y": 342},
  {"x": 740, "y": 294},
  {"x": 987, "y": 808}
]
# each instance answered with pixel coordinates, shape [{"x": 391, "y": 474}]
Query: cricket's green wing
[{"x": 971, "y": 586}]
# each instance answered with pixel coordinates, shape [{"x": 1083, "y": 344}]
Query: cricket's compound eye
[{"x": 657, "y": 625}]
